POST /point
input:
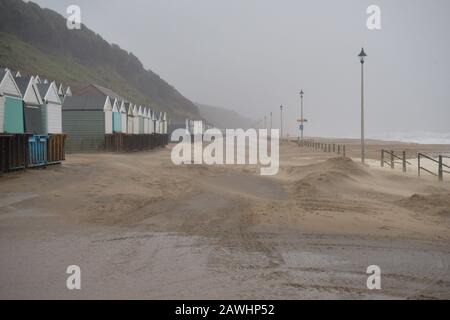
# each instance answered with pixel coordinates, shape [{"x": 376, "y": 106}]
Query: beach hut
[
  {"x": 151, "y": 123},
  {"x": 37, "y": 79},
  {"x": 123, "y": 116},
  {"x": 51, "y": 111},
  {"x": 130, "y": 117},
  {"x": 86, "y": 120},
  {"x": 135, "y": 111},
  {"x": 117, "y": 121},
  {"x": 11, "y": 108},
  {"x": 146, "y": 126},
  {"x": 165, "y": 124},
  {"x": 32, "y": 105},
  {"x": 141, "y": 120},
  {"x": 155, "y": 121},
  {"x": 68, "y": 92}
]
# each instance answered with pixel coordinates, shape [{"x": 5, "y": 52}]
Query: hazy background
[{"x": 253, "y": 55}]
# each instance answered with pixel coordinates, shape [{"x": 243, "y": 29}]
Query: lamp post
[
  {"x": 301, "y": 115},
  {"x": 281, "y": 117},
  {"x": 362, "y": 56},
  {"x": 270, "y": 120}
]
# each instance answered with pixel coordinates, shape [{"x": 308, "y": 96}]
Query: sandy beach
[{"x": 140, "y": 227}]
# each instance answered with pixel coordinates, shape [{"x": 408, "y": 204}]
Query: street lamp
[
  {"x": 270, "y": 120},
  {"x": 281, "y": 117},
  {"x": 301, "y": 115},
  {"x": 362, "y": 57}
]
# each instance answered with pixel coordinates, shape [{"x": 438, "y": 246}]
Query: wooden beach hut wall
[
  {"x": 11, "y": 109},
  {"x": 141, "y": 120},
  {"x": 146, "y": 127},
  {"x": 123, "y": 116},
  {"x": 86, "y": 120},
  {"x": 135, "y": 119},
  {"x": 107, "y": 110},
  {"x": 32, "y": 106},
  {"x": 130, "y": 117},
  {"x": 161, "y": 123},
  {"x": 164, "y": 117},
  {"x": 150, "y": 121},
  {"x": 52, "y": 108},
  {"x": 155, "y": 121}
]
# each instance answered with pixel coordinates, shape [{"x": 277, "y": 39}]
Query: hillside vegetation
[{"x": 36, "y": 41}]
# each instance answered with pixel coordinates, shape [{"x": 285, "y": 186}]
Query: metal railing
[
  {"x": 391, "y": 158},
  {"x": 440, "y": 163}
]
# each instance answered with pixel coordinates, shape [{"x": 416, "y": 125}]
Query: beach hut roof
[
  {"x": 29, "y": 90},
  {"x": 129, "y": 108},
  {"x": 102, "y": 90},
  {"x": 86, "y": 103},
  {"x": 68, "y": 92},
  {"x": 115, "y": 108},
  {"x": 49, "y": 92},
  {"x": 8, "y": 85},
  {"x": 121, "y": 106}
]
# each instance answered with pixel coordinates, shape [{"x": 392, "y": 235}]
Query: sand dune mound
[
  {"x": 435, "y": 203},
  {"x": 346, "y": 165},
  {"x": 331, "y": 175}
]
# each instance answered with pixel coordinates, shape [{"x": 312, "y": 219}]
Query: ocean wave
[{"x": 420, "y": 137}]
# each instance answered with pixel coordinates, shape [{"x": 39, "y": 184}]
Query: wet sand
[{"x": 140, "y": 227}]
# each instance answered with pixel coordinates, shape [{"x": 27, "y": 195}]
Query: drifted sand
[{"x": 140, "y": 227}]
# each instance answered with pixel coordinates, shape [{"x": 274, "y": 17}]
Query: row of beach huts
[{"x": 41, "y": 120}]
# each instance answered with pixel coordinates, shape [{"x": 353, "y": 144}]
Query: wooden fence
[
  {"x": 20, "y": 151},
  {"x": 325, "y": 147},
  {"x": 122, "y": 142},
  {"x": 56, "y": 148},
  {"x": 13, "y": 152}
]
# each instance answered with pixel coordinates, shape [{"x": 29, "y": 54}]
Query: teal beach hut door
[
  {"x": 13, "y": 118},
  {"x": 117, "y": 127}
]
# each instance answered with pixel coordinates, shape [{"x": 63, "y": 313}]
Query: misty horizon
[{"x": 252, "y": 56}]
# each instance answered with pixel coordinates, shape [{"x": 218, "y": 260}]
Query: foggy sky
[{"x": 253, "y": 55}]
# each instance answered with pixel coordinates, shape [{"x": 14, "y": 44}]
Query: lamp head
[{"x": 362, "y": 55}]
